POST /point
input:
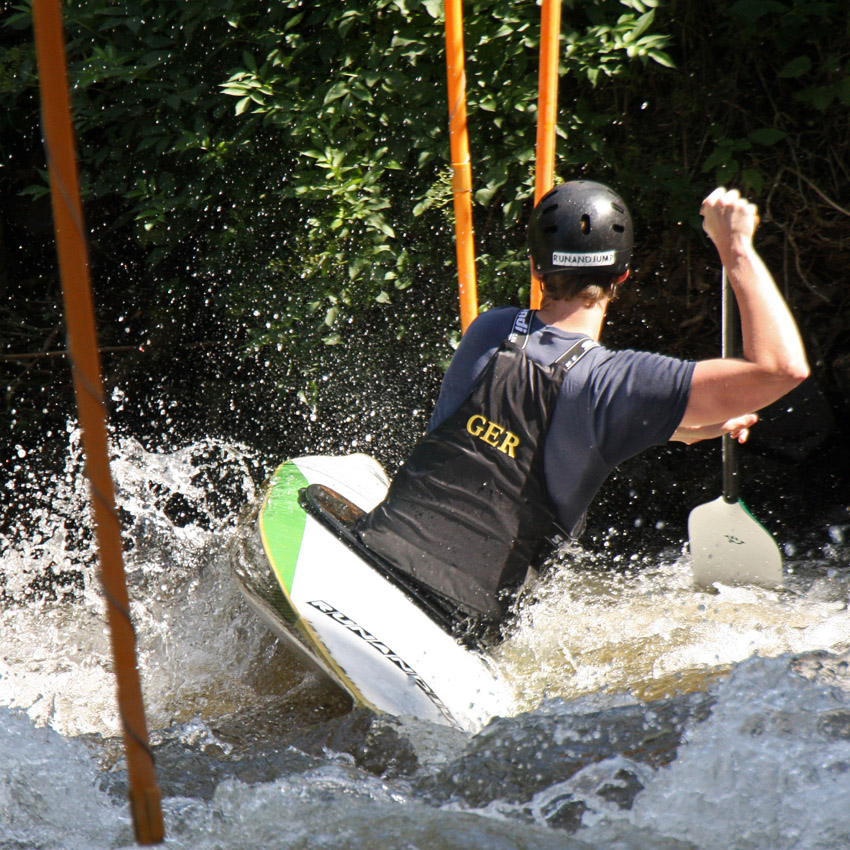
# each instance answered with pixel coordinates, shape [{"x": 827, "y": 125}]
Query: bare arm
[
  {"x": 737, "y": 428},
  {"x": 774, "y": 360}
]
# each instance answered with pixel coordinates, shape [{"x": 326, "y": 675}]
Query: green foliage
[
  {"x": 804, "y": 59},
  {"x": 598, "y": 51},
  {"x": 284, "y": 167},
  {"x": 305, "y": 148},
  {"x": 370, "y": 129}
]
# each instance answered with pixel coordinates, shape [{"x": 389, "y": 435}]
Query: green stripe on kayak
[{"x": 282, "y": 522}]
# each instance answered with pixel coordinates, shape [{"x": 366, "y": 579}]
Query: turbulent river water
[{"x": 647, "y": 714}]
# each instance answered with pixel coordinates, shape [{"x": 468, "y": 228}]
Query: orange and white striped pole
[
  {"x": 144, "y": 794},
  {"x": 547, "y": 110},
  {"x": 461, "y": 169}
]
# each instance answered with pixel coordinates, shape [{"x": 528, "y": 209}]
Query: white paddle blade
[{"x": 731, "y": 547}]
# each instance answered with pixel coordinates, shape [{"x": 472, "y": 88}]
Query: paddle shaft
[
  {"x": 727, "y": 543},
  {"x": 729, "y": 324}
]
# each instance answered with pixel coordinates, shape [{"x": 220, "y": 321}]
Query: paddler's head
[{"x": 580, "y": 238}]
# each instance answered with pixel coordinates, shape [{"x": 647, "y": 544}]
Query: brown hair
[{"x": 564, "y": 286}]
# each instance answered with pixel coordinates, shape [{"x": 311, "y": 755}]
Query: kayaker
[{"x": 533, "y": 413}]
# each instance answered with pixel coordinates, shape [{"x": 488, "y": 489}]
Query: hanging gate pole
[
  {"x": 547, "y": 110},
  {"x": 461, "y": 169},
  {"x": 82, "y": 345}
]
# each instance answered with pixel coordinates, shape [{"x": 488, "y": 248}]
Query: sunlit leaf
[{"x": 661, "y": 58}]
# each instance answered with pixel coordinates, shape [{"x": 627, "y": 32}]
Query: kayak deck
[{"x": 384, "y": 640}]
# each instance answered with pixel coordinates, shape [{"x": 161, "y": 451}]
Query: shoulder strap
[
  {"x": 570, "y": 357},
  {"x": 522, "y": 327},
  {"x": 521, "y": 332}
]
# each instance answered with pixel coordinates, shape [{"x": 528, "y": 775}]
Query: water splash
[
  {"x": 744, "y": 752},
  {"x": 647, "y": 631},
  {"x": 770, "y": 769},
  {"x": 48, "y": 791},
  {"x": 179, "y": 509}
]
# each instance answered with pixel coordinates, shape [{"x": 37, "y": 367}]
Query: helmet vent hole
[
  {"x": 618, "y": 208},
  {"x": 585, "y": 224},
  {"x": 550, "y": 209},
  {"x": 552, "y": 228},
  {"x": 618, "y": 227}
]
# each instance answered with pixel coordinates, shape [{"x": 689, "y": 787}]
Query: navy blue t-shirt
[{"x": 612, "y": 405}]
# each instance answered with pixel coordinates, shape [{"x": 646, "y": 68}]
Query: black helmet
[{"x": 581, "y": 226}]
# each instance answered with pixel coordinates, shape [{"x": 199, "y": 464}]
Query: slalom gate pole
[
  {"x": 461, "y": 169},
  {"x": 144, "y": 794},
  {"x": 547, "y": 111}
]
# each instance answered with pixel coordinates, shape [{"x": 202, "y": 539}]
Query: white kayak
[{"x": 371, "y": 635}]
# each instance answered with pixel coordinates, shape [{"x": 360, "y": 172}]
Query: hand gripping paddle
[{"x": 728, "y": 544}]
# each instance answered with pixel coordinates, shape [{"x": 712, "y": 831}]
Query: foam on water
[
  {"x": 50, "y": 799},
  {"x": 48, "y": 791},
  {"x": 767, "y": 769},
  {"x": 649, "y": 632},
  {"x": 188, "y": 615}
]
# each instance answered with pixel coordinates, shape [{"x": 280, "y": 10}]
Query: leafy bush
[
  {"x": 275, "y": 176},
  {"x": 337, "y": 131}
]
